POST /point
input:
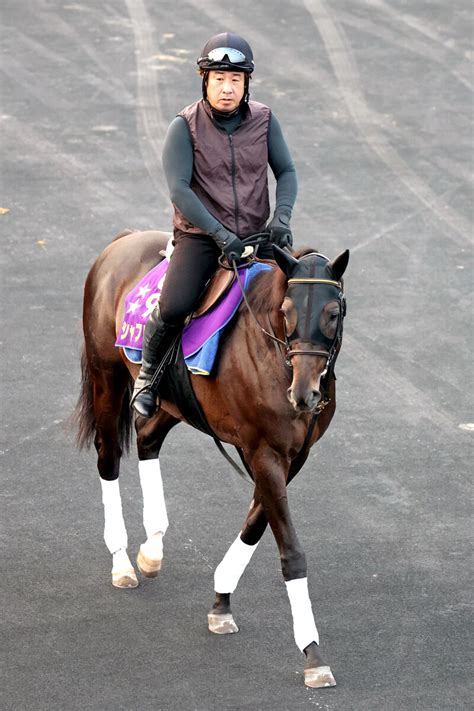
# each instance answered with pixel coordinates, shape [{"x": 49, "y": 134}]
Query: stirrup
[
  {"x": 149, "y": 391},
  {"x": 145, "y": 402}
]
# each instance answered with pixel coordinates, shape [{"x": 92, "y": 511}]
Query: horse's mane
[{"x": 267, "y": 290}]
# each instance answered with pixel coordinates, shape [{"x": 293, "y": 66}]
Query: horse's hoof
[
  {"x": 221, "y": 624},
  {"x": 147, "y": 566},
  {"x": 124, "y": 578},
  {"x": 319, "y": 677}
]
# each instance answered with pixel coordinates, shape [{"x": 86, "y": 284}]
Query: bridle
[
  {"x": 329, "y": 355},
  {"x": 285, "y": 345},
  {"x": 333, "y": 351},
  {"x": 288, "y": 353}
]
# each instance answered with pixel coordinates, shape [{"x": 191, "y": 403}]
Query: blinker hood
[{"x": 308, "y": 328}]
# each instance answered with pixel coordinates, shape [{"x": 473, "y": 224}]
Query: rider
[{"x": 215, "y": 157}]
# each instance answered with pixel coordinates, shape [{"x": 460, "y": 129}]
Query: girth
[{"x": 176, "y": 386}]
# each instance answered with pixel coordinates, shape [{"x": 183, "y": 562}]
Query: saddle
[{"x": 217, "y": 288}]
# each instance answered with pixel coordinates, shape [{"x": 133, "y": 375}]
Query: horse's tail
[
  {"x": 126, "y": 419},
  {"x": 83, "y": 417}
]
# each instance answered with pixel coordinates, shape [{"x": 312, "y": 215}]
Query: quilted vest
[{"x": 230, "y": 171}]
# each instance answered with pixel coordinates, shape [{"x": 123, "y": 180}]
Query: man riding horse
[
  {"x": 216, "y": 156},
  {"x": 274, "y": 391}
]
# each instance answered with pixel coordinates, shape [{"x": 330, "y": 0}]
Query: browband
[{"x": 310, "y": 280}]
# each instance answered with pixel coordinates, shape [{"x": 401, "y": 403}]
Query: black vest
[{"x": 229, "y": 171}]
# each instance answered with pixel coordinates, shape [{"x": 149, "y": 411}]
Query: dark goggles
[{"x": 234, "y": 56}]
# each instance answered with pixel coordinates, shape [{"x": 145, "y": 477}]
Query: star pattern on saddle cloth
[
  {"x": 143, "y": 291},
  {"x": 133, "y": 306},
  {"x": 140, "y": 298}
]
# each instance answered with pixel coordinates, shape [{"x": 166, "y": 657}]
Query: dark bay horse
[{"x": 265, "y": 397}]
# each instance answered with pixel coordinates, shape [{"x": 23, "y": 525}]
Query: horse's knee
[
  {"x": 293, "y": 564},
  {"x": 108, "y": 459},
  {"x": 254, "y": 527}
]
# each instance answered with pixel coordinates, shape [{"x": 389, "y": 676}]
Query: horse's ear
[
  {"x": 284, "y": 260},
  {"x": 339, "y": 264}
]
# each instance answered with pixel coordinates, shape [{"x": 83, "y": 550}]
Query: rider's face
[{"x": 225, "y": 89}]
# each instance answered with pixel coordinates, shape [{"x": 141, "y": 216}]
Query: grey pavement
[{"x": 375, "y": 98}]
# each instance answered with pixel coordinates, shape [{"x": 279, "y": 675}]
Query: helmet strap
[{"x": 205, "y": 76}]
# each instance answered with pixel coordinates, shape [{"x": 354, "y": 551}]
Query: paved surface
[{"x": 375, "y": 97}]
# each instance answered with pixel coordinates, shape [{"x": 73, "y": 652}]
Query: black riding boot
[{"x": 157, "y": 338}]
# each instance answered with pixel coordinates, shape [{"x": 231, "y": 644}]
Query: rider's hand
[
  {"x": 229, "y": 243},
  {"x": 279, "y": 229}
]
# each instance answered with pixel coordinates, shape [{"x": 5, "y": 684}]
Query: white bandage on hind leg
[
  {"x": 115, "y": 533},
  {"x": 230, "y": 569},
  {"x": 304, "y": 627},
  {"x": 155, "y": 518}
]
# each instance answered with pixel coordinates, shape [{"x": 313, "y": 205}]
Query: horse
[{"x": 272, "y": 395}]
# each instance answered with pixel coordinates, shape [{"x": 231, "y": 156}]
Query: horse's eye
[
  {"x": 329, "y": 320},
  {"x": 290, "y": 314}
]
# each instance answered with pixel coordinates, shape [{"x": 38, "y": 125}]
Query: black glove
[
  {"x": 279, "y": 229},
  {"x": 230, "y": 244}
]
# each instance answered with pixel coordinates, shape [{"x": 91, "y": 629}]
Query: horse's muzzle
[{"x": 303, "y": 401}]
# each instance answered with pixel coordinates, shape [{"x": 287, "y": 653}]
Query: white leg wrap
[
  {"x": 153, "y": 547},
  {"x": 121, "y": 561},
  {"x": 304, "y": 627},
  {"x": 230, "y": 569},
  {"x": 115, "y": 533},
  {"x": 155, "y": 518}
]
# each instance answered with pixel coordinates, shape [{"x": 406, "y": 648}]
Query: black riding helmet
[{"x": 226, "y": 52}]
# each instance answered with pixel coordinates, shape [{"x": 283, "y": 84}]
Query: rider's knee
[{"x": 173, "y": 315}]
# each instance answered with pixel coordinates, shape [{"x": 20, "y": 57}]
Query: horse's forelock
[
  {"x": 310, "y": 256},
  {"x": 304, "y": 251}
]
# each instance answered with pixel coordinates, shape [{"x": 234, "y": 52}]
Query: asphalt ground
[{"x": 375, "y": 98}]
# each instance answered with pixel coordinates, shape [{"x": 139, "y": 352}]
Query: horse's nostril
[{"x": 303, "y": 401}]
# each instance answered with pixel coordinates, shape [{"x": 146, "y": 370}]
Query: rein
[
  {"x": 288, "y": 353},
  {"x": 263, "y": 330}
]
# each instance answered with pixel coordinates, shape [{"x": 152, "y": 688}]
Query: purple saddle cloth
[{"x": 200, "y": 339}]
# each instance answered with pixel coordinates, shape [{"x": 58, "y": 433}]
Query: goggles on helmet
[{"x": 217, "y": 55}]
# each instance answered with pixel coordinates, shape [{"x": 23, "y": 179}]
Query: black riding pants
[{"x": 193, "y": 262}]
